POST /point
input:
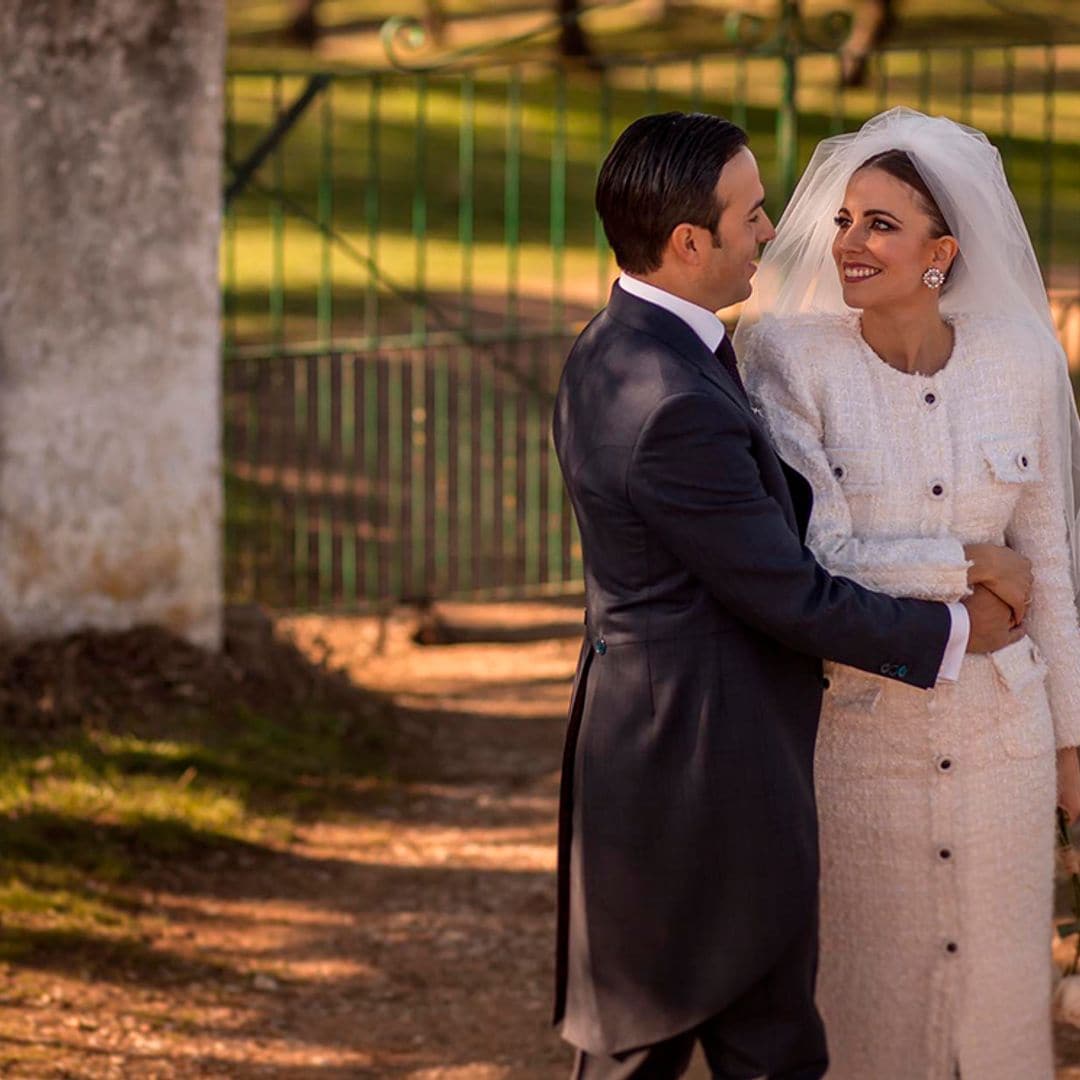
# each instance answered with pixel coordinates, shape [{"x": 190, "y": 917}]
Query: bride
[{"x": 901, "y": 347}]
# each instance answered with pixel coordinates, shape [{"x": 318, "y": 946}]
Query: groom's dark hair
[{"x": 662, "y": 171}]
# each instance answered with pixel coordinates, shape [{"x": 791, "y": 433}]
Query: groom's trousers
[{"x": 773, "y": 1030}]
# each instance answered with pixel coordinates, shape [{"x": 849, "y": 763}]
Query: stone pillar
[{"x": 110, "y": 195}]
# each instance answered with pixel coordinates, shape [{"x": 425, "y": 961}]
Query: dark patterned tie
[{"x": 725, "y": 353}]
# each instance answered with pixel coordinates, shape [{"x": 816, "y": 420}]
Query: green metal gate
[{"x": 408, "y": 256}]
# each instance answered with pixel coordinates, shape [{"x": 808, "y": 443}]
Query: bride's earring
[{"x": 933, "y": 278}]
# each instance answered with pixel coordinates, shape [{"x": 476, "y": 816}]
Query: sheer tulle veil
[{"x": 996, "y": 273}]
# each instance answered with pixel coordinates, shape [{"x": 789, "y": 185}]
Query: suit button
[
  {"x": 944, "y": 764},
  {"x": 600, "y": 646},
  {"x": 901, "y": 671},
  {"x": 944, "y": 854},
  {"x": 930, "y": 398},
  {"x": 938, "y": 490},
  {"x": 952, "y": 947},
  {"x": 886, "y": 669}
]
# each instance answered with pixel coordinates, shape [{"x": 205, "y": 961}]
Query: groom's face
[{"x": 744, "y": 227}]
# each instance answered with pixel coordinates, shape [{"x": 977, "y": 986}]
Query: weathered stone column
[{"x": 110, "y": 193}]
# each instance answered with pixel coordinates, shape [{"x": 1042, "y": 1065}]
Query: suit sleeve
[
  {"x": 929, "y": 567},
  {"x": 694, "y": 479}
]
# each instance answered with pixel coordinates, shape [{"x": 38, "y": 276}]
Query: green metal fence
[{"x": 408, "y": 256}]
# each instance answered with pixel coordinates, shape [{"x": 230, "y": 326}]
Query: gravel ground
[{"x": 407, "y": 936}]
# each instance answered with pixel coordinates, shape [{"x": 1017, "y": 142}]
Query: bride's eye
[
  {"x": 841, "y": 222},
  {"x": 881, "y": 225}
]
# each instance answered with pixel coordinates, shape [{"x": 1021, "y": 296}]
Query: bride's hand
[
  {"x": 1068, "y": 782},
  {"x": 1005, "y": 573}
]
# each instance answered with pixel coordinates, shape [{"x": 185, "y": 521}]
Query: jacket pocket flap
[
  {"x": 855, "y": 467},
  {"x": 1019, "y": 664},
  {"x": 1013, "y": 459}
]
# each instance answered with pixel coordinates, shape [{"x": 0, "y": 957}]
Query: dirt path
[{"x": 409, "y": 937}]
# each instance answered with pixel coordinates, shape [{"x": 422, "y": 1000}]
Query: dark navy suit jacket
[{"x": 687, "y": 777}]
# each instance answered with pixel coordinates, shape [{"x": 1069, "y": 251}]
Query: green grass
[
  {"x": 89, "y": 812},
  {"x": 409, "y": 218},
  {"x": 549, "y": 248}
]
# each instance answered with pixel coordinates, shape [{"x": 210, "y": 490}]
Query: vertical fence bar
[
  {"x": 967, "y": 83},
  {"x": 1046, "y": 211},
  {"x": 882, "y": 83},
  {"x": 331, "y": 403},
  {"x": 604, "y": 133},
  {"x": 284, "y": 538},
  {"x": 382, "y": 517},
  {"x": 787, "y": 115},
  {"x": 236, "y": 539},
  {"x": 477, "y": 461},
  {"x": 522, "y": 426},
  {"x": 419, "y": 212},
  {"x": 277, "y": 225},
  {"x": 454, "y": 510},
  {"x": 738, "y": 91},
  {"x": 371, "y": 380},
  {"x": 229, "y": 297},
  {"x": 371, "y": 208},
  {"x": 497, "y": 469},
  {"x": 411, "y": 484},
  {"x": 325, "y": 314},
  {"x": 539, "y": 420},
  {"x": 652, "y": 96},
  {"x": 415, "y": 497},
  {"x": 454, "y": 553},
  {"x": 1008, "y": 93},
  {"x": 512, "y": 197},
  {"x": 362, "y": 479},
  {"x": 558, "y": 201},
  {"x": 925, "y": 79},
  {"x": 315, "y": 479},
  {"x": 430, "y": 445},
  {"x": 328, "y": 387},
  {"x": 696, "y": 95},
  {"x": 467, "y": 188},
  {"x": 558, "y": 242},
  {"x": 836, "y": 121}
]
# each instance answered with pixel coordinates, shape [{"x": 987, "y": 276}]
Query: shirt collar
[{"x": 703, "y": 322}]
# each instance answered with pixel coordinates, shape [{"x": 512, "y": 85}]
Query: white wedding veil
[{"x": 996, "y": 273}]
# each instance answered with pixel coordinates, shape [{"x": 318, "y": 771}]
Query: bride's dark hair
[{"x": 898, "y": 164}]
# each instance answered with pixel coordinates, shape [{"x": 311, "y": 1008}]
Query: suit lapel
[{"x": 660, "y": 323}]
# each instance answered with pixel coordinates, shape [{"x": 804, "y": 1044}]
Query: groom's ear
[{"x": 684, "y": 244}]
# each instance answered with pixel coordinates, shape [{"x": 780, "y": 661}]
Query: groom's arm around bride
[{"x": 688, "y": 847}]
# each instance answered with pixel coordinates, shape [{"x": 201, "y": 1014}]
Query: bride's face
[{"x": 883, "y": 243}]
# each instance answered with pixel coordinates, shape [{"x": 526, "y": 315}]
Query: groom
[{"x": 688, "y": 838}]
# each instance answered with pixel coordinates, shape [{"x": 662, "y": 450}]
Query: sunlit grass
[{"x": 86, "y": 812}]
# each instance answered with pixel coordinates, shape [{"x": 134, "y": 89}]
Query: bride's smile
[{"x": 885, "y": 239}]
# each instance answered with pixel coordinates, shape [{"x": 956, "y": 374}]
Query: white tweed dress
[{"x": 936, "y": 807}]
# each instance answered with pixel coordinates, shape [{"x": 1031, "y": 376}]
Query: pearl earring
[{"x": 933, "y": 278}]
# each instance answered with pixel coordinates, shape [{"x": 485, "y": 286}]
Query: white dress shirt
[{"x": 707, "y": 325}]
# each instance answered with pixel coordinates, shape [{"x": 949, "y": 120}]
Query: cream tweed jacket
[{"x": 936, "y": 807}]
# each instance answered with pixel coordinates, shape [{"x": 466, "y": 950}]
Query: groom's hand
[
  {"x": 1005, "y": 573},
  {"x": 991, "y": 622}
]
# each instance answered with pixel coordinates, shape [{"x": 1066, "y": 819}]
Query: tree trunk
[{"x": 110, "y": 470}]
